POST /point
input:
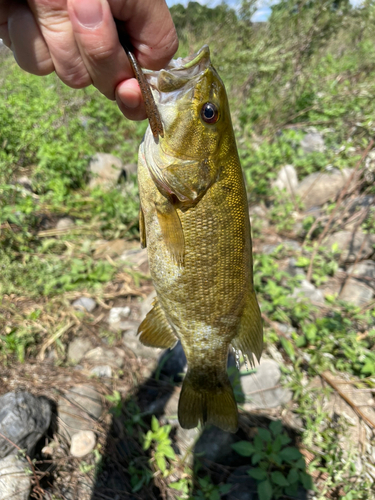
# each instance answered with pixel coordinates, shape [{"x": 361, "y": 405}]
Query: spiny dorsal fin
[
  {"x": 155, "y": 331},
  {"x": 171, "y": 229},
  {"x": 249, "y": 339}
]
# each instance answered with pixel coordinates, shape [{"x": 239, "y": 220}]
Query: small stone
[
  {"x": 313, "y": 142},
  {"x": 113, "y": 248},
  {"x": 286, "y": 179},
  {"x": 293, "y": 269},
  {"x": 102, "y": 371},
  {"x": 260, "y": 387},
  {"x": 65, "y": 223},
  {"x": 349, "y": 244},
  {"x": 77, "y": 349},
  {"x": 115, "y": 357},
  {"x": 23, "y": 419},
  {"x": 15, "y": 478},
  {"x": 84, "y": 304},
  {"x": 83, "y": 442},
  {"x": 117, "y": 317},
  {"x": 47, "y": 451},
  {"x": 106, "y": 170},
  {"x": 356, "y": 292},
  {"x": 309, "y": 291},
  {"x": 78, "y": 408},
  {"x": 25, "y": 182},
  {"x": 318, "y": 188}
]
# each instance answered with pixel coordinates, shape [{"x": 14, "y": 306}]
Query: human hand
[{"x": 78, "y": 39}]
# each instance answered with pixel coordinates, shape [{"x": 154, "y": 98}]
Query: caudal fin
[{"x": 214, "y": 404}]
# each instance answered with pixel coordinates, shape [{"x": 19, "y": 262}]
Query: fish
[{"x": 194, "y": 221}]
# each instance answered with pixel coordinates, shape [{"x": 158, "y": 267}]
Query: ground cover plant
[{"x": 309, "y": 69}]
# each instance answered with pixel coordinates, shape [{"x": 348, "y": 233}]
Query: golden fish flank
[{"x": 194, "y": 220}]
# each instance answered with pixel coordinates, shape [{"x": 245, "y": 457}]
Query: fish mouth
[{"x": 179, "y": 75}]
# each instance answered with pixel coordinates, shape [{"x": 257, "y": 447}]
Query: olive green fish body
[{"x": 197, "y": 232}]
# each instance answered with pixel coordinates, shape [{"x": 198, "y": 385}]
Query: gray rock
[
  {"x": 215, "y": 445},
  {"x": 136, "y": 257},
  {"x": 117, "y": 317},
  {"x": 309, "y": 291},
  {"x": 84, "y": 304},
  {"x": 83, "y": 442},
  {"x": 317, "y": 188},
  {"x": 23, "y": 419},
  {"x": 65, "y": 223},
  {"x": 105, "y": 169},
  {"x": 258, "y": 216},
  {"x": 284, "y": 328},
  {"x": 185, "y": 441},
  {"x": 364, "y": 271},
  {"x": 349, "y": 244},
  {"x": 293, "y": 269},
  {"x": 25, "y": 182},
  {"x": 77, "y": 349},
  {"x": 78, "y": 409},
  {"x": 244, "y": 486},
  {"x": 113, "y": 357},
  {"x": 129, "y": 169},
  {"x": 15, "y": 478},
  {"x": 313, "y": 142},
  {"x": 102, "y": 371},
  {"x": 147, "y": 304},
  {"x": 287, "y": 244},
  {"x": 113, "y": 248},
  {"x": 356, "y": 292},
  {"x": 286, "y": 179},
  {"x": 173, "y": 363},
  {"x": 259, "y": 388}
]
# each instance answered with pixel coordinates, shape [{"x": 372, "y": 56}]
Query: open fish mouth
[{"x": 178, "y": 76}]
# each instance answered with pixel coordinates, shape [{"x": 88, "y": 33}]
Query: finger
[
  {"x": 96, "y": 36},
  {"x": 129, "y": 100},
  {"x": 4, "y": 34},
  {"x": 27, "y": 43},
  {"x": 57, "y": 31},
  {"x": 151, "y": 30}
]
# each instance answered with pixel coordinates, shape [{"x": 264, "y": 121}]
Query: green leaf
[
  {"x": 290, "y": 453},
  {"x": 288, "y": 347},
  {"x": 161, "y": 463},
  {"x": 257, "y": 473},
  {"x": 243, "y": 448},
  {"x": 265, "y": 435},
  {"x": 279, "y": 479},
  {"x": 154, "y": 424},
  {"x": 256, "y": 458},
  {"x": 306, "y": 480},
  {"x": 293, "y": 476},
  {"x": 265, "y": 490},
  {"x": 276, "y": 427}
]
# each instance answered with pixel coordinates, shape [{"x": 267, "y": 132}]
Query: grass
[{"x": 311, "y": 68}]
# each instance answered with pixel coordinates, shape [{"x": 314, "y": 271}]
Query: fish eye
[{"x": 209, "y": 113}]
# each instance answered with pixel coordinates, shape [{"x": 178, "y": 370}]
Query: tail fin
[{"x": 213, "y": 404}]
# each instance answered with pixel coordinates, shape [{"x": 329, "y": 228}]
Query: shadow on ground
[{"x": 207, "y": 453}]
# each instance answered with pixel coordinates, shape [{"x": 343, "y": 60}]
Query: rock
[
  {"x": 83, "y": 442},
  {"x": 185, "y": 441},
  {"x": 309, "y": 291},
  {"x": 78, "y": 409},
  {"x": 113, "y": 357},
  {"x": 147, "y": 304},
  {"x": 356, "y": 292},
  {"x": 132, "y": 342},
  {"x": 102, "y": 371},
  {"x": 284, "y": 328},
  {"x": 106, "y": 170},
  {"x": 313, "y": 142},
  {"x": 364, "y": 271},
  {"x": 244, "y": 486},
  {"x": 293, "y": 269},
  {"x": 25, "y": 182},
  {"x": 215, "y": 445},
  {"x": 173, "y": 363},
  {"x": 286, "y": 179},
  {"x": 128, "y": 170},
  {"x": 287, "y": 244},
  {"x": 23, "y": 419},
  {"x": 349, "y": 244},
  {"x": 117, "y": 317},
  {"x": 258, "y": 216},
  {"x": 317, "y": 188},
  {"x": 137, "y": 257},
  {"x": 15, "y": 478},
  {"x": 259, "y": 388},
  {"x": 113, "y": 248},
  {"x": 64, "y": 224},
  {"x": 84, "y": 304},
  {"x": 77, "y": 349}
]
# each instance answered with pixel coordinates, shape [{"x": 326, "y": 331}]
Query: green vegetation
[{"x": 311, "y": 65}]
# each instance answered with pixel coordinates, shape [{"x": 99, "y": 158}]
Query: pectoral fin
[
  {"x": 155, "y": 331},
  {"x": 171, "y": 229},
  {"x": 249, "y": 339},
  {"x": 142, "y": 228}
]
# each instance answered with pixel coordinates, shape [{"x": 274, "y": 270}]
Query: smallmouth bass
[{"x": 195, "y": 223}]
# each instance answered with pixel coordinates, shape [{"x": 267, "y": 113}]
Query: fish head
[{"x": 194, "y": 111}]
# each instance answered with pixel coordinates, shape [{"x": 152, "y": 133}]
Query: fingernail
[{"x": 89, "y": 13}]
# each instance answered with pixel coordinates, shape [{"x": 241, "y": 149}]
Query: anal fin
[
  {"x": 249, "y": 338},
  {"x": 155, "y": 331},
  {"x": 171, "y": 230}
]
